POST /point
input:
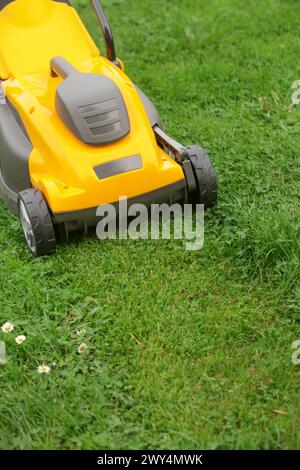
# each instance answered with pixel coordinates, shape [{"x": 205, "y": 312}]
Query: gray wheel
[
  {"x": 36, "y": 222},
  {"x": 206, "y": 192}
]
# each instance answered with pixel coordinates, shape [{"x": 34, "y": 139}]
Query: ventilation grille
[{"x": 102, "y": 118}]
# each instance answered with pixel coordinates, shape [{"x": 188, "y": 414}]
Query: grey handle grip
[{"x": 62, "y": 67}]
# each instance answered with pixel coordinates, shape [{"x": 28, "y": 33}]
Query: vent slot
[
  {"x": 99, "y": 118},
  {"x": 106, "y": 129},
  {"x": 102, "y": 118},
  {"x": 102, "y": 106}
]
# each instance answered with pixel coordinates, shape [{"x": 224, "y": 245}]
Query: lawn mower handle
[
  {"x": 61, "y": 68},
  {"x": 107, "y": 33}
]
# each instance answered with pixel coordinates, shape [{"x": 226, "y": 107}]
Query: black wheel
[
  {"x": 206, "y": 180},
  {"x": 36, "y": 222}
]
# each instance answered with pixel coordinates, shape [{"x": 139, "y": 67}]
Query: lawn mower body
[{"x": 72, "y": 125}]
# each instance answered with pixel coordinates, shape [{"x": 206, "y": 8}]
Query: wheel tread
[
  {"x": 206, "y": 192},
  {"x": 41, "y": 221}
]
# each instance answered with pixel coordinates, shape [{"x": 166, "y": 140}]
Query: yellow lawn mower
[{"x": 75, "y": 132}]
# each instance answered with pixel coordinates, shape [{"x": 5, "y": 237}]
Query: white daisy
[
  {"x": 82, "y": 348},
  {"x": 20, "y": 339},
  {"x": 81, "y": 333},
  {"x": 7, "y": 327},
  {"x": 44, "y": 369}
]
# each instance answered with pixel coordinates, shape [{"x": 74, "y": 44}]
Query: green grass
[{"x": 186, "y": 349}]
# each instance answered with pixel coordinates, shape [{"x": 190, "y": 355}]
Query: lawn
[{"x": 185, "y": 349}]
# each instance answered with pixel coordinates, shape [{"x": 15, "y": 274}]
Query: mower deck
[{"x": 75, "y": 132}]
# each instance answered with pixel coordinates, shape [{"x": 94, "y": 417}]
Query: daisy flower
[
  {"x": 81, "y": 333},
  {"x": 82, "y": 348},
  {"x": 20, "y": 339},
  {"x": 44, "y": 369},
  {"x": 7, "y": 327}
]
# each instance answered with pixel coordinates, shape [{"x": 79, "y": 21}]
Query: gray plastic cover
[
  {"x": 15, "y": 149},
  {"x": 90, "y": 105},
  {"x": 150, "y": 109}
]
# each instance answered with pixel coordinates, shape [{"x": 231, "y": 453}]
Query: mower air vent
[{"x": 102, "y": 118}]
